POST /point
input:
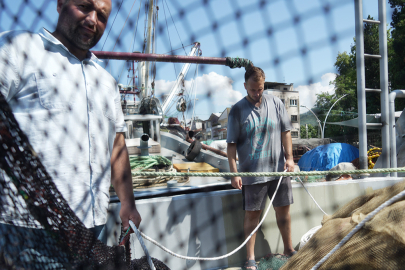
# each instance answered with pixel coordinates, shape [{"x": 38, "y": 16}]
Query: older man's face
[{"x": 82, "y": 22}]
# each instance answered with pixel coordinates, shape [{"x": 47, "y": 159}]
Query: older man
[
  {"x": 259, "y": 130},
  {"x": 69, "y": 107}
]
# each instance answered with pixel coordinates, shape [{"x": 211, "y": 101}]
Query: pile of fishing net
[
  {"x": 72, "y": 245},
  {"x": 272, "y": 261},
  {"x": 379, "y": 244}
]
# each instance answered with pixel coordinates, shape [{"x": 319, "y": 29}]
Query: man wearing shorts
[{"x": 259, "y": 130}]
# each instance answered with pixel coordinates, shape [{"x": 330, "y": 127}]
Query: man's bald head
[{"x": 81, "y": 23}]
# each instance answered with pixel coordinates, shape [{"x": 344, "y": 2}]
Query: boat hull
[{"x": 210, "y": 224}]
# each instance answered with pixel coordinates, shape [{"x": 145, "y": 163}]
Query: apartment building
[{"x": 291, "y": 100}]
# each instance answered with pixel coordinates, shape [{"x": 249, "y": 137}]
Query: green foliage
[
  {"x": 312, "y": 131},
  {"x": 396, "y": 63}
]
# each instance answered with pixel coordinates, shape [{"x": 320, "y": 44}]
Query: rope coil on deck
[{"x": 278, "y": 174}]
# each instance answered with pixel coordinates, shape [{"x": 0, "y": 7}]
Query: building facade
[
  {"x": 210, "y": 127},
  {"x": 291, "y": 100},
  {"x": 223, "y": 121}
]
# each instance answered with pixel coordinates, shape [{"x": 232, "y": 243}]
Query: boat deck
[{"x": 194, "y": 183}]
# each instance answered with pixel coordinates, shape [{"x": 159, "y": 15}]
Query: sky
[{"x": 294, "y": 41}]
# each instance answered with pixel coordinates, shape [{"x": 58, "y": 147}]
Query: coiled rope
[
  {"x": 206, "y": 258},
  {"x": 145, "y": 162},
  {"x": 278, "y": 174}
]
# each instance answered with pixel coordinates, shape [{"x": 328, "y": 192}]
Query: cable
[
  {"x": 175, "y": 27},
  {"x": 112, "y": 25},
  {"x": 170, "y": 42},
  {"x": 214, "y": 258},
  {"x": 121, "y": 31},
  {"x": 133, "y": 42},
  {"x": 311, "y": 196},
  {"x": 179, "y": 48},
  {"x": 136, "y": 26}
]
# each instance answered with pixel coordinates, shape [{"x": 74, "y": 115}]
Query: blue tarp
[{"x": 325, "y": 157}]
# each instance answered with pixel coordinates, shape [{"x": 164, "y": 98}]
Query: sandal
[
  {"x": 292, "y": 254},
  {"x": 250, "y": 263}
]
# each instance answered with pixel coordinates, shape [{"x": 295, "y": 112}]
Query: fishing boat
[{"x": 202, "y": 216}]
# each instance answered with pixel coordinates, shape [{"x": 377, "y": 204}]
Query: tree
[
  {"x": 396, "y": 63},
  {"x": 312, "y": 132}
]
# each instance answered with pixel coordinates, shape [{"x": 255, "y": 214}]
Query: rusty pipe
[{"x": 160, "y": 58}]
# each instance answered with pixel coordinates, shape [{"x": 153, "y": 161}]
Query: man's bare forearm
[
  {"x": 121, "y": 171},
  {"x": 287, "y": 143},
  {"x": 231, "y": 149},
  {"x": 236, "y": 181}
]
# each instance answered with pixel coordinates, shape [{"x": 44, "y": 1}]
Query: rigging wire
[
  {"x": 175, "y": 27},
  {"x": 133, "y": 42},
  {"x": 112, "y": 25},
  {"x": 136, "y": 26},
  {"x": 179, "y": 48},
  {"x": 121, "y": 31},
  {"x": 170, "y": 42}
]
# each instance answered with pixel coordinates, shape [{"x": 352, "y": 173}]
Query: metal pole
[
  {"x": 148, "y": 47},
  {"x": 152, "y": 130},
  {"x": 393, "y": 136},
  {"x": 160, "y": 58},
  {"x": 317, "y": 119},
  {"x": 158, "y": 130},
  {"x": 385, "y": 132},
  {"x": 361, "y": 85},
  {"x": 324, "y": 122},
  {"x": 306, "y": 129}
]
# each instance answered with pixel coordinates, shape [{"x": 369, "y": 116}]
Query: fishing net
[
  {"x": 63, "y": 242},
  {"x": 272, "y": 262},
  {"x": 380, "y": 243},
  {"x": 285, "y": 38}
]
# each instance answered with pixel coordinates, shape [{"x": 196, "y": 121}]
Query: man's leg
[
  {"x": 254, "y": 200},
  {"x": 250, "y": 222},
  {"x": 284, "y": 225}
]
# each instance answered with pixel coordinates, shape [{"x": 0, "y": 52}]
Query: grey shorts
[{"x": 254, "y": 196}]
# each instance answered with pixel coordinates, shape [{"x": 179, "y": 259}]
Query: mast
[{"x": 148, "y": 49}]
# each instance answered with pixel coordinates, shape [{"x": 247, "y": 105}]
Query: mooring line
[{"x": 278, "y": 174}]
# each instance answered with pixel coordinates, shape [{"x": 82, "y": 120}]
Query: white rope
[
  {"x": 311, "y": 196},
  {"x": 214, "y": 258},
  {"x": 152, "y": 267},
  {"x": 359, "y": 226}
]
